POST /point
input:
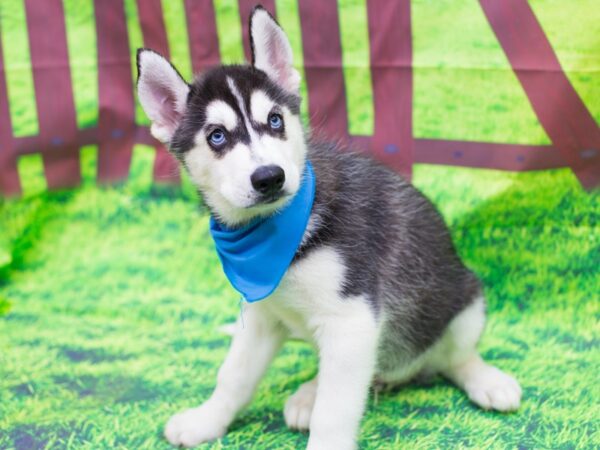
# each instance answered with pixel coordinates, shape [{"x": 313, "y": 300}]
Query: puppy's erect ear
[
  {"x": 162, "y": 93},
  {"x": 271, "y": 50}
]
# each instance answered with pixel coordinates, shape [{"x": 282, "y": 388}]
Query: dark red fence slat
[
  {"x": 487, "y": 155},
  {"x": 9, "y": 177},
  {"x": 245, "y": 8},
  {"x": 323, "y": 67},
  {"x": 53, "y": 92},
  {"x": 559, "y": 109},
  {"x": 391, "y": 74},
  {"x": 150, "y": 12},
  {"x": 116, "y": 122},
  {"x": 202, "y": 32},
  {"x": 32, "y": 144},
  {"x": 573, "y": 131}
]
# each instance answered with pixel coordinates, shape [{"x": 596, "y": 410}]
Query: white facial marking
[
  {"x": 241, "y": 104},
  {"x": 260, "y": 106},
  {"x": 220, "y": 113}
]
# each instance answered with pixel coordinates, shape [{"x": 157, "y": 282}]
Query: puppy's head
[{"x": 236, "y": 129}]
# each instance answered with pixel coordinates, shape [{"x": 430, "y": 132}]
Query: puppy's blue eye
[
  {"x": 276, "y": 121},
  {"x": 217, "y": 137}
]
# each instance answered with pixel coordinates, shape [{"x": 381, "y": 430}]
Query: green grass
[{"x": 113, "y": 298}]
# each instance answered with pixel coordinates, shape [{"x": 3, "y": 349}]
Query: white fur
[
  {"x": 254, "y": 345},
  {"x": 299, "y": 407},
  {"x": 486, "y": 386},
  {"x": 455, "y": 356},
  {"x": 308, "y": 304},
  {"x": 272, "y": 51},
  {"x": 225, "y": 181},
  {"x": 260, "y": 106},
  {"x": 462, "y": 333},
  {"x": 242, "y": 105},
  {"x": 162, "y": 93},
  {"x": 220, "y": 113}
]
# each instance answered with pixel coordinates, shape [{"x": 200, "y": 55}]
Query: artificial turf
[{"x": 111, "y": 298}]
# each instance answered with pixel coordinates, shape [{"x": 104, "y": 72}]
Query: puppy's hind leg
[
  {"x": 254, "y": 345},
  {"x": 298, "y": 408},
  {"x": 486, "y": 385}
]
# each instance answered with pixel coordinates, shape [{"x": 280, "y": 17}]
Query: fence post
[
  {"x": 166, "y": 168},
  {"x": 58, "y": 141},
  {"x": 323, "y": 67},
  {"x": 116, "y": 121},
  {"x": 202, "y": 32},
  {"x": 390, "y": 39}
]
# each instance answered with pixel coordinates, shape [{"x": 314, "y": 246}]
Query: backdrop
[
  {"x": 111, "y": 295},
  {"x": 498, "y": 97}
]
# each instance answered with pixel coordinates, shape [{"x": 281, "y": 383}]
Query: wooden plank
[
  {"x": 559, "y": 109},
  {"x": 487, "y": 155},
  {"x": 166, "y": 168},
  {"x": 54, "y": 92},
  {"x": 202, "y": 31},
  {"x": 323, "y": 67},
  {"x": 390, "y": 39},
  {"x": 116, "y": 122}
]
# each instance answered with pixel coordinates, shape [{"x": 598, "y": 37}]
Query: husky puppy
[{"x": 376, "y": 284}]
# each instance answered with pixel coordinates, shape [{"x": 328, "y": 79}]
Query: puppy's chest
[
  {"x": 309, "y": 293},
  {"x": 295, "y": 307},
  {"x": 295, "y": 320}
]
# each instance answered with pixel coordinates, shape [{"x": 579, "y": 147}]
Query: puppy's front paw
[
  {"x": 299, "y": 406},
  {"x": 195, "y": 426}
]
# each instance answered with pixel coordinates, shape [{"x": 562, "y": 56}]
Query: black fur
[
  {"x": 212, "y": 85},
  {"x": 397, "y": 250}
]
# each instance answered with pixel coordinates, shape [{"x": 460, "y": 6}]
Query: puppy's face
[
  {"x": 236, "y": 129},
  {"x": 242, "y": 142}
]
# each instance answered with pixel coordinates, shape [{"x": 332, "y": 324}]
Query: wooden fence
[{"x": 573, "y": 131}]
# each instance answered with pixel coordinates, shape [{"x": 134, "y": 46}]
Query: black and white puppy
[{"x": 376, "y": 284}]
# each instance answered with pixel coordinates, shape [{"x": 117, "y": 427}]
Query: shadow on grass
[
  {"x": 534, "y": 242},
  {"x": 54, "y": 435},
  {"x": 117, "y": 388}
]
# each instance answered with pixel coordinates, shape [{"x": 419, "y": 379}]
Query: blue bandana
[{"x": 256, "y": 256}]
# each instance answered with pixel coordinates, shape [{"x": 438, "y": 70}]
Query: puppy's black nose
[{"x": 268, "y": 180}]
